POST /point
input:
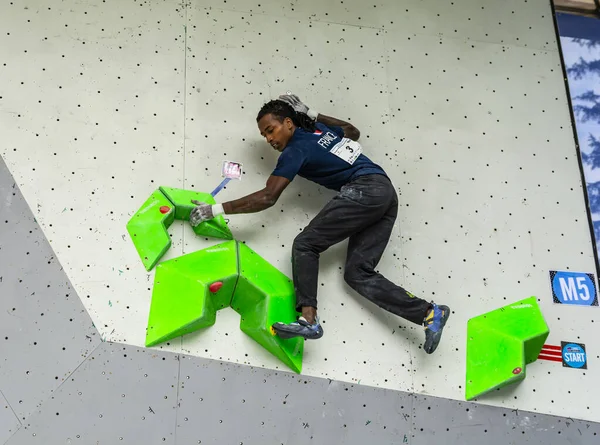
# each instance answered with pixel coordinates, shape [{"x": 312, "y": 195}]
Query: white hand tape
[{"x": 217, "y": 209}]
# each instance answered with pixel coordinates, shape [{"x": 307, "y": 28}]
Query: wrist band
[
  {"x": 217, "y": 209},
  {"x": 312, "y": 114}
]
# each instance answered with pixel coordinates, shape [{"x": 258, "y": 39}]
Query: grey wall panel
[
  {"x": 120, "y": 395},
  {"x": 223, "y": 403},
  {"x": 452, "y": 422},
  {"x": 9, "y": 423},
  {"x": 45, "y": 332},
  {"x": 129, "y": 395}
]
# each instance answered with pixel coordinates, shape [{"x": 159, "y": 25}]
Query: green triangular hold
[
  {"x": 182, "y": 200},
  {"x": 216, "y": 228},
  {"x": 148, "y": 228},
  {"x": 501, "y": 343},
  {"x": 182, "y": 301},
  {"x": 262, "y": 297}
]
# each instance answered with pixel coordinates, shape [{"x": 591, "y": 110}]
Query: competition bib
[{"x": 347, "y": 150}]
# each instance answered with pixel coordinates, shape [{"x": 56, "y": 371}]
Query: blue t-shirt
[{"x": 308, "y": 155}]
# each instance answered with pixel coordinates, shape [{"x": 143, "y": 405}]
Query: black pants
[{"x": 364, "y": 211}]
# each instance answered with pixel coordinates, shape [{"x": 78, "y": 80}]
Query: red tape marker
[{"x": 551, "y": 353}]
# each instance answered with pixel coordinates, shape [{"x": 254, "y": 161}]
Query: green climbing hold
[
  {"x": 182, "y": 301},
  {"x": 189, "y": 290},
  {"x": 501, "y": 343},
  {"x": 148, "y": 228},
  {"x": 262, "y": 297},
  {"x": 182, "y": 200}
]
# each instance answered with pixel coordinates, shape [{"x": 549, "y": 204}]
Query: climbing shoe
[
  {"x": 300, "y": 328},
  {"x": 434, "y": 325}
]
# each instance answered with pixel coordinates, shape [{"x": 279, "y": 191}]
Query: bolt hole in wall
[{"x": 579, "y": 30}]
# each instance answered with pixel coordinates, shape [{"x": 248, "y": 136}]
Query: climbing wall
[{"x": 463, "y": 102}]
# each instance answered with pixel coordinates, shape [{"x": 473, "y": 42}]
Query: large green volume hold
[
  {"x": 149, "y": 226},
  {"x": 501, "y": 343},
  {"x": 262, "y": 297},
  {"x": 182, "y": 200},
  {"x": 189, "y": 290}
]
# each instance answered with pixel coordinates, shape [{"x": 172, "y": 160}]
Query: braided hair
[{"x": 280, "y": 110}]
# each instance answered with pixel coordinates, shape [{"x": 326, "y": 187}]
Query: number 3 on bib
[{"x": 347, "y": 150}]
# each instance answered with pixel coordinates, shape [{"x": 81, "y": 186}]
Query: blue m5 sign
[{"x": 574, "y": 288}]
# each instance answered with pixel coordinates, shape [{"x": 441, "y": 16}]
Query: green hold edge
[
  {"x": 262, "y": 297},
  {"x": 182, "y": 300},
  {"x": 148, "y": 228},
  {"x": 182, "y": 200},
  {"x": 501, "y": 343}
]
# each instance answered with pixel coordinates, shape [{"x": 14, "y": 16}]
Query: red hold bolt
[
  {"x": 517, "y": 371},
  {"x": 215, "y": 287},
  {"x": 165, "y": 209}
]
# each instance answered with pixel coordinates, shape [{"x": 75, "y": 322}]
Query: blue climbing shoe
[
  {"x": 434, "y": 325},
  {"x": 300, "y": 328}
]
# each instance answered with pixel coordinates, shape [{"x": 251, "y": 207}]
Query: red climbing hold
[
  {"x": 165, "y": 209},
  {"x": 517, "y": 371},
  {"x": 215, "y": 286}
]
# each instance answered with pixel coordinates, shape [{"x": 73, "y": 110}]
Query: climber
[{"x": 325, "y": 150}]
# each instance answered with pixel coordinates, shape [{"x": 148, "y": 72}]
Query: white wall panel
[{"x": 462, "y": 102}]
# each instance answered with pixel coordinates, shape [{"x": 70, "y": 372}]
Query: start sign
[
  {"x": 573, "y": 355},
  {"x": 574, "y": 288}
]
